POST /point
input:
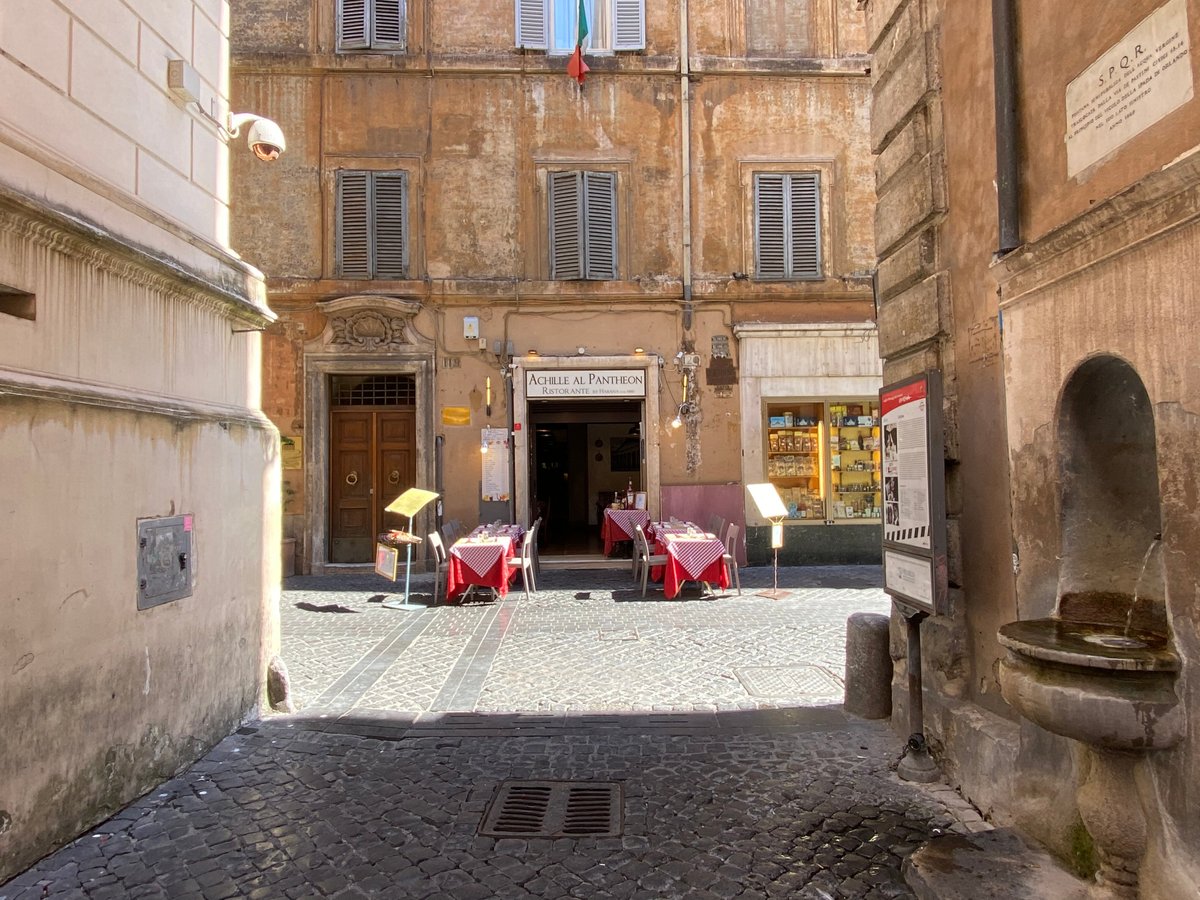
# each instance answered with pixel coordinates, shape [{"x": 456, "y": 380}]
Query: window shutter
[
  {"x": 391, "y": 224},
  {"x": 387, "y": 24},
  {"x": 566, "y": 225},
  {"x": 531, "y": 24},
  {"x": 629, "y": 32},
  {"x": 600, "y": 210},
  {"x": 805, "y": 218},
  {"x": 769, "y": 245},
  {"x": 352, "y": 29},
  {"x": 353, "y": 235}
]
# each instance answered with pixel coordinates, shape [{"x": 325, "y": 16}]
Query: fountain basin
[{"x": 1082, "y": 681}]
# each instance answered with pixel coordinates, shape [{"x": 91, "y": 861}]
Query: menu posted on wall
[
  {"x": 914, "y": 514},
  {"x": 1133, "y": 84},
  {"x": 494, "y": 441}
]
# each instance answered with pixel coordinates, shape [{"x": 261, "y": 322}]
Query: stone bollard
[{"x": 868, "y": 666}]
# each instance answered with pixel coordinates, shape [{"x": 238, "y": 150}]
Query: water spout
[{"x": 1141, "y": 581}]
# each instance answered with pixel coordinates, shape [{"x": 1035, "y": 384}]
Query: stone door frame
[{"x": 364, "y": 335}]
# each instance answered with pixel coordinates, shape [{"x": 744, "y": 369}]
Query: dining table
[
  {"x": 481, "y": 558},
  {"x": 618, "y": 525},
  {"x": 692, "y": 555}
]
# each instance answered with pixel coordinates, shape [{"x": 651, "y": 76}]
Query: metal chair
[
  {"x": 525, "y": 561},
  {"x": 730, "y": 556},
  {"x": 646, "y": 559},
  {"x": 440, "y": 561}
]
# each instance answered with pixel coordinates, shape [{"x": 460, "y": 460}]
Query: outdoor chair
[
  {"x": 646, "y": 559},
  {"x": 439, "y": 561},
  {"x": 525, "y": 561},
  {"x": 730, "y": 557},
  {"x": 537, "y": 557},
  {"x": 716, "y": 525}
]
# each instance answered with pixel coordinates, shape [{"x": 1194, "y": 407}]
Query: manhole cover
[
  {"x": 789, "y": 681},
  {"x": 555, "y": 809}
]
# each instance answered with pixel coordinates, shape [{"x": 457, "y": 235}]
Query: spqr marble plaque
[{"x": 1133, "y": 84}]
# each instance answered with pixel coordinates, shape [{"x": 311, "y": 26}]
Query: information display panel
[{"x": 914, "y": 493}]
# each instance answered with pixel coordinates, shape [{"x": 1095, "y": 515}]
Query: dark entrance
[
  {"x": 373, "y": 459},
  {"x": 582, "y": 451}
]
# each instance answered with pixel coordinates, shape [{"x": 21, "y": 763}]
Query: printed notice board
[{"x": 914, "y": 492}]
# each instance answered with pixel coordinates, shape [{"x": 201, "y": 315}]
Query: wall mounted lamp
[{"x": 487, "y": 395}]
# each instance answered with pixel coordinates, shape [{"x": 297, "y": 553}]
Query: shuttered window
[
  {"x": 583, "y": 226},
  {"x": 372, "y": 224},
  {"x": 787, "y": 226},
  {"x": 370, "y": 25},
  {"x": 553, "y": 25}
]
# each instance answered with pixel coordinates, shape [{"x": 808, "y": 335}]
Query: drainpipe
[
  {"x": 685, "y": 127},
  {"x": 1008, "y": 188}
]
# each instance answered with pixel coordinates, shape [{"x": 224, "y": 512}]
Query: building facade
[
  {"x": 139, "y": 526},
  {"x": 467, "y": 243},
  {"x": 1036, "y": 226}
]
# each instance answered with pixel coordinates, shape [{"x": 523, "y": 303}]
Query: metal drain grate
[
  {"x": 789, "y": 681},
  {"x": 555, "y": 809}
]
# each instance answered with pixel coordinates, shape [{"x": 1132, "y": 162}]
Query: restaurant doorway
[{"x": 581, "y": 453}]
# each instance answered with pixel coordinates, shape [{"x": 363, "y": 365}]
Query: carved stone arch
[{"x": 370, "y": 323}]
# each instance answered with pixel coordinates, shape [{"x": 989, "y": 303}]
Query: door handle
[
  {"x": 352, "y": 479},
  {"x": 393, "y": 477}
]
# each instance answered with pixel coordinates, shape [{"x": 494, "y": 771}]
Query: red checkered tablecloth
[
  {"x": 618, "y": 525},
  {"x": 697, "y": 556},
  {"x": 482, "y": 558}
]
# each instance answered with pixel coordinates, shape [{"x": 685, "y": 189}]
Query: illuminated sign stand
[
  {"x": 408, "y": 504},
  {"x": 770, "y": 507}
]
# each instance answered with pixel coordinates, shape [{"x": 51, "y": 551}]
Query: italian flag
[{"x": 577, "y": 68}]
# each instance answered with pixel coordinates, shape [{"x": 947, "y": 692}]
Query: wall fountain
[{"x": 1102, "y": 669}]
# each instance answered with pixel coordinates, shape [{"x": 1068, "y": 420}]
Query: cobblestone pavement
[{"x": 714, "y": 716}]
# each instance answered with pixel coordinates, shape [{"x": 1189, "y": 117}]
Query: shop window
[
  {"x": 553, "y": 25},
  {"x": 823, "y": 457},
  {"x": 370, "y": 25},
  {"x": 372, "y": 224},
  {"x": 583, "y": 225},
  {"x": 787, "y": 226}
]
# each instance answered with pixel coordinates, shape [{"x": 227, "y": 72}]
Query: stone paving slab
[{"x": 411, "y": 721}]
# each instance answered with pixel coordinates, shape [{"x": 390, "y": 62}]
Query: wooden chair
[
  {"x": 525, "y": 561},
  {"x": 730, "y": 557},
  {"x": 439, "y": 560},
  {"x": 646, "y": 559}
]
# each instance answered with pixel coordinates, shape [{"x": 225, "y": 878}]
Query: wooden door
[
  {"x": 372, "y": 460},
  {"x": 397, "y": 463}
]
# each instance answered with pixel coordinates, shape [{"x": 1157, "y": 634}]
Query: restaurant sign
[{"x": 558, "y": 383}]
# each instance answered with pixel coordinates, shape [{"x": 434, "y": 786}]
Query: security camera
[{"x": 265, "y": 137}]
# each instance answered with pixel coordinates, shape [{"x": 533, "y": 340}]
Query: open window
[{"x": 553, "y": 25}]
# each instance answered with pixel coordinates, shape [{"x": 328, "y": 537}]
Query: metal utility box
[{"x": 164, "y": 555}]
